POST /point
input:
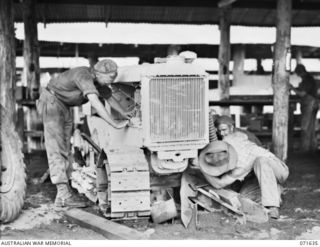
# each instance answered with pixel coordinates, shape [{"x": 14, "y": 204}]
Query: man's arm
[
  {"x": 298, "y": 91},
  {"x": 227, "y": 178},
  {"x": 95, "y": 102},
  {"x": 116, "y": 106}
]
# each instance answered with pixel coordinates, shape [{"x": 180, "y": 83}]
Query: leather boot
[{"x": 65, "y": 198}]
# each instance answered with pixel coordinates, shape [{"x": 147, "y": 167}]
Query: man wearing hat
[
  {"x": 238, "y": 160},
  {"x": 73, "y": 88},
  {"x": 225, "y": 126}
]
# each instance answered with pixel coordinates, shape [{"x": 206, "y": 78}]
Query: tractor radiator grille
[{"x": 177, "y": 109}]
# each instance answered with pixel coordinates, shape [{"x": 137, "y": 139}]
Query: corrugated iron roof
[{"x": 244, "y": 12}]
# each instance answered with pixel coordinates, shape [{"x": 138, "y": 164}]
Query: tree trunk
[{"x": 281, "y": 80}]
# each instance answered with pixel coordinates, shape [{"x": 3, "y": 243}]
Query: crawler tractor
[{"x": 127, "y": 170}]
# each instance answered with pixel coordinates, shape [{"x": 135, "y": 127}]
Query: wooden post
[
  {"x": 280, "y": 80},
  {"x": 238, "y": 62},
  {"x": 7, "y": 58},
  {"x": 31, "y": 49},
  {"x": 31, "y": 68},
  {"x": 224, "y": 56}
]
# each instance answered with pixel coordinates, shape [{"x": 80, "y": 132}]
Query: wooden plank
[
  {"x": 239, "y": 102},
  {"x": 107, "y": 228},
  {"x": 246, "y": 100},
  {"x": 281, "y": 80}
]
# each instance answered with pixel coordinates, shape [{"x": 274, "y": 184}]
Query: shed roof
[{"x": 244, "y": 12}]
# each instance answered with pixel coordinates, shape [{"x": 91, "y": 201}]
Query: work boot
[
  {"x": 65, "y": 198},
  {"x": 273, "y": 212}
]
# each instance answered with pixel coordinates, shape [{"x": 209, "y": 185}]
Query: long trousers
[
  {"x": 309, "y": 111},
  {"x": 266, "y": 186},
  {"x": 57, "y": 121}
]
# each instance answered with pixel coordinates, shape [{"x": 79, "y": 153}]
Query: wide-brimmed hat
[
  {"x": 217, "y": 158},
  {"x": 106, "y": 66}
]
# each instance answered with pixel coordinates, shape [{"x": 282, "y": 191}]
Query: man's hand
[
  {"x": 95, "y": 102},
  {"x": 130, "y": 114},
  {"x": 117, "y": 107}
]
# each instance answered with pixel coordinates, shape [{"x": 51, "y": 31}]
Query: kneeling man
[{"x": 257, "y": 172}]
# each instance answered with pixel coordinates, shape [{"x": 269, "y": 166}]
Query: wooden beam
[
  {"x": 280, "y": 80},
  {"x": 261, "y": 4},
  {"x": 224, "y": 56},
  {"x": 107, "y": 228},
  {"x": 7, "y": 58}
]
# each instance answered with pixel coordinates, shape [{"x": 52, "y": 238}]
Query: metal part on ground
[
  {"x": 163, "y": 207},
  {"x": 84, "y": 180},
  {"x": 206, "y": 191},
  {"x": 242, "y": 208}
]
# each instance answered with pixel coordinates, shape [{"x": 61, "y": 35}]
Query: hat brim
[{"x": 211, "y": 170}]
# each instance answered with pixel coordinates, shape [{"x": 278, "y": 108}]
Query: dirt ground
[{"x": 300, "y": 212}]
